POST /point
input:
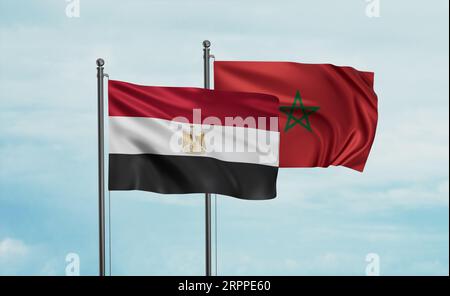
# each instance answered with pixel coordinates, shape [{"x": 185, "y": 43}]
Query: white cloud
[
  {"x": 12, "y": 249},
  {"x": 14, "y": 255},
  {"x": 20, "y": 258}
]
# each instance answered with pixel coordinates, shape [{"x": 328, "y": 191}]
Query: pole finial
[
  {"x": 206, "y": 44},
  {"x": 100, "y": 62}
]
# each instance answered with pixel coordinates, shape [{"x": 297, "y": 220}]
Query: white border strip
[{"x": 145, "y": 135}]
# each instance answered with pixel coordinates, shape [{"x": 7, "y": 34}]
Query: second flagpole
[
  {"x": 208, "y": 249},
  {"x": 101, "y": 167}
]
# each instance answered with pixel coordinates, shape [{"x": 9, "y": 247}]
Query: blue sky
[{"x": 324, "y": 221}]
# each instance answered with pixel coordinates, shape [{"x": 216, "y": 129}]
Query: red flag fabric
[{"x": 328, "y": 114}]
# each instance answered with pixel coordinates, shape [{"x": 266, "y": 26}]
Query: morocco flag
[
  {"x": 328, "y": 114},
  {"x": 192, "y": 140}
]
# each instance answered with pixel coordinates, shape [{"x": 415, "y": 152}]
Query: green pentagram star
[{"x": 304, "y": 119}]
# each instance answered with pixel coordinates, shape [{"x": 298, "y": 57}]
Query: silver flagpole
[
  {"x": 206, "y": 56},
  {"x": 101, "y": 168}
]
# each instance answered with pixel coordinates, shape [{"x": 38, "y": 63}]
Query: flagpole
[
  {"x": 206, "y": 76},
  {"x": 101, "y": 167}
]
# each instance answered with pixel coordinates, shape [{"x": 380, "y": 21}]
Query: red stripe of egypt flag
[{"x": 328, "y": 114}]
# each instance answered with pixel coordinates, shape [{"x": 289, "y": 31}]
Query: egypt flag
[
  {"x": 328, "y": 114},
  {"x": 192, "y": 140}
]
